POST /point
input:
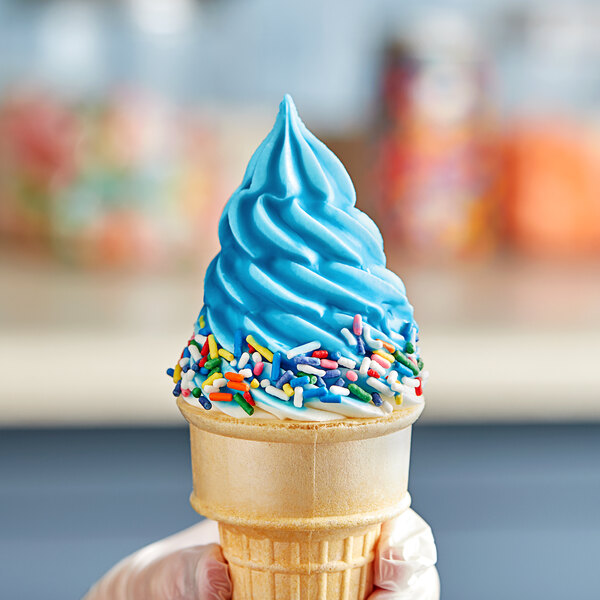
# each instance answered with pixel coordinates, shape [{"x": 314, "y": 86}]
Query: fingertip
[{"x": 212, "y": 575}]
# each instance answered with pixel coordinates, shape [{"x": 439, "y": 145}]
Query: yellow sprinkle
[
  {"x": 210, "y": 379},
  {"x": 226, "y": 354},
  {"x": 265, "y": 352},
  {"x": 385, "y": 355},
  {"x": 254, "y": 383},
  {"x": 212, "y": 346},
  {"x": 201, "y": 321},
  {"x": 288, "y": 389},
  {"x": 177, "y": 373},
  {"x": 398, "y": 399}
]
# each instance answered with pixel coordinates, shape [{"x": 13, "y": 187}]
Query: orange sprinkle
[
  {"x": 222, "y": 396},
  {"x": 238, "y": 385},
  {"x": 389, "y": 347},
  {"x": 234, "y": 376}
]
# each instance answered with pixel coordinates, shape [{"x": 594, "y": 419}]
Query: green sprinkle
[
  {"x": 212, "y": 363},
  {"x": 420, "y": 363},
  {"x": 196, "y": 392},
  {"x": 242, "y": 402},
  {"x": 403, "y": 360},
  {"x": 195, "y": 343},
  {"x": 215, "y": 370},
  {"x": 409, "y": 348},
  {"x": 313, "y": 379},
  {"x": 360, "y": 393}
]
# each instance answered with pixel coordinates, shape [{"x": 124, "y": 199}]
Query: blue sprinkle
[
  {"x": 340, "y": 382},
  {"x": 360, "y": 345},
  {"x": 402, "y": 370},
  {"x": 335, "y": 355},
  {"x": 205, "y": 402},
  {"x": 331, "y": 398},
  {"x": 237, "y": 343},
  {"x": 285, "y": 378},
  {"x": 177, "y": 389},
  {"x": 185, "y": 368},
  {"x": 195, "y": 367},
  {"x": 320, "y": 381},
  {"x": 313, "y": 361},
  {"x": 186, "y": 352},
  {"x": 314, "y": 392},
  {"x": 275, "y": 367},
  {"x": 204, "y": 370},
  {"x": 377, "y": 401},
  {"x": 332, "y": 373},
  {"x": 170, "y": 372},
  {"x": 302, "y": 381}
]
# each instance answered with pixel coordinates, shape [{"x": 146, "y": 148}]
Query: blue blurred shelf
[{"x": 514, "y": 509}]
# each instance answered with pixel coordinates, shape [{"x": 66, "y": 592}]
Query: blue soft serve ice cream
[{"x": 301, "y": 317}]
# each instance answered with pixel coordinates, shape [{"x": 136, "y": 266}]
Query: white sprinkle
[
  {"x": 387, "y": 407},
  {"x": 379, "y": 386},
  {"x": 377, "y": 368},
  {"x": 298, "y": 394},
  {"x": 264, "y": 383},
  {"x": 220, "y": 382},
  {"x": 311, "y": 370},
  {"x": 244, "y": 358},
  {"x": 209, "y": 389},
  {"x": 424, "y": 376},
  {"x": 256, "y": 357},
  {"x": 392, "y": 377},
  {"x": 184, "y": 361},
  {"x": 373, "y": 344},
  {"x": 271, "y": 389},
  {"x": 245, "y": 373},
  {"x": 303, "y": 349},
  {"x": 348, "y": 335},
  {"x": 346, "y": 362},
  {"x": 201, "y": 339},
  {"x": 338, "y": 389},
  {"x": 364, "y": 366},
  {"x": 397, "y": 387},
  {"x": 233, "y": 364},
  {"x": 194, "y": 352},
  {"x": 413, "y": 383}
]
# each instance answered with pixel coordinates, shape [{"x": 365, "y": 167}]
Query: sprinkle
[
  {"x": 320, "y": 381},
  {"x": 405, "y": 361},
  {"x": 373, "y": 373},
  {"x": 212, "y": 363},
  {"x": 209, "y": 389},
  {"x": 177, "y": 390},
  {"x": 365, "y": 366},
  {"x": 357, "y": 325},
  {"x": 335, "y": 355},
  {"x": 387, "y": 407},
  {"x": 360, "y": 346},
  {"x": 385, "y": 355},
  {"x": 328, "y": 364},
  {"x": 185, "y": 368},
  {"x": 379, "y": 386},
  {"x": 399, "y": 399},
  {"x": 303, "y": 349},
  {"x": 256, "y": 357},
  {"x": 264, "y": 383},
  {"x": 248, "y": 408},
  {"x": 203, "y": 361},
  {"x": 285, "y": 378},
  {"x": 186, "y": 352},
  {"x": 177, "y": 373},
  {"x": 170, "y": 372},
  {"x": 360, "y": 393},
  {"x": 375, "y": 366},
  {"x": 409, "y": 348},
  {"x": 212, "y": 346},
  {"x": 205, "y": 402},
  {"x": 244, "y": 358},
  {"x": 338, "y": 389},
  {"x": 261, "y": 349},
  {"x": 238, "y": 385},
  {"x": 311, "y": 370},
  {"x": 306, "y": 360},
  {"x": 386, "y": 364},
  {"x": 204, "y": 371},
  {"x": 196, "y": 392},
  {"x": 220, "y": 382},
  {"x": 340, "y": 383},
  {"x": 245, "y": 373},
  {"x": 275, "y": 368},
  {"x": 373, "y": 344},
  {"x": 377, "y": 401},
  {"x": 320, "y": 354},
  {"x": 195, "y": 353},
  {"x": 419, "y": 388},
  {"x": 410, "y": 382},
  {"x": 249, "y": 399},
  {"x": 288, "y": 389},
  {"x": 201, "y": 321},
  {"x": 221, "y": 397},
  {"x": 200, "y": 339},
  {"x": 420, "y": 363},
  {"x": 333, "y": 373},
  {"x": 234, "y": 376},
  {"x": 352, "y": 376},
  {"x": 331, "y": 398},
  {"x": 226, "y": 354},
  {"x": 270, "y": 389},
  {"x": 346, "y": 362},
  {"x": 254, "y": 383},
  {"x": 258, "y": 368},
  {"x": 300, "y": 381},
  {"x": 251, "y": 349},
  {"x": 389, "y": 347},
  {"x": 237, "y": 343},
  {"x": 392, "y": 377},
  {"x": 233, "y": 363},
  {"x": 211, "y": 378},
  {"x": 349, "y": 337},
  {"x": 185, "y": 393},
  {"x": 314, "y": 392},
  {"x": 397, "y": 387},
  {"x": 298, "y": 395},
  {"x": 184, "y": 362},
  {"x": 205, "y": 348}
]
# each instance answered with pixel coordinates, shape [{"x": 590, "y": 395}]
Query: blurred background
[{"x": 472, "y": 133}]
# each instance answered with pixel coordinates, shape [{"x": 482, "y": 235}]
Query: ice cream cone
[{"x": 299, "y": 504}]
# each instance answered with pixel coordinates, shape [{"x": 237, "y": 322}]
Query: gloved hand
[{"x": 189, "y": 566}]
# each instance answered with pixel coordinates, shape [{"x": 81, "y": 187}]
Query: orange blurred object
[{"x": 552, "y": 174}]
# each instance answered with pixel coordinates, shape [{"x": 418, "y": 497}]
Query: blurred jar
[{"x": 435, "y": 172}]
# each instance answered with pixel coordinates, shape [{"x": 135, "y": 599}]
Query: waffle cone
[{"x": 299, "y": 504}]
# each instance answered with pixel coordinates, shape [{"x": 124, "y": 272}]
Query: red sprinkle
[
  {"x": 419, "y": 388},
  {"x": 320, "y": 354},
  {"x": 204, "y": 351},
  {"x": 249, "y": 399},
  {"x": 185, "y": 393},
  {"x": 251, "y": 349},
  {"x": 372, "y": 373},
  {"x": 202, "y": 361}
]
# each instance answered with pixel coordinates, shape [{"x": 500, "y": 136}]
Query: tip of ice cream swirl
[{"x": 298, "y": 260}]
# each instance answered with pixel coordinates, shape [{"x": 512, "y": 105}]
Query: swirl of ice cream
[{"x": 298, "y": 260}]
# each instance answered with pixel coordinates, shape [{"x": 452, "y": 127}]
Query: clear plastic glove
[{"x": 189, "y": 566}]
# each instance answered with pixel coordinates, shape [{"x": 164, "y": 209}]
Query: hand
[{"x": 190, "y": 566}]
